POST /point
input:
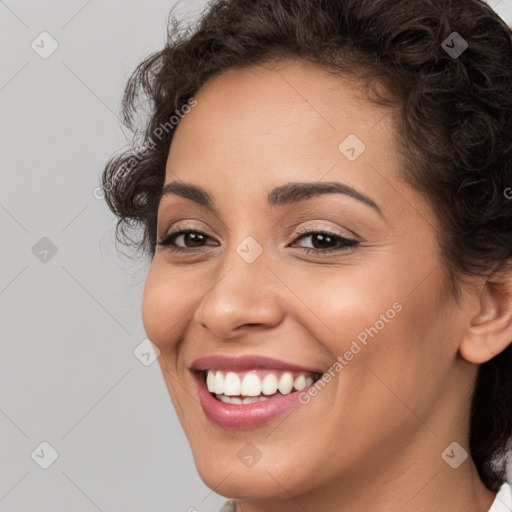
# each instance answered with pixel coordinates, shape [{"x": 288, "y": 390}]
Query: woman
[{"x": 322, "y": 188}]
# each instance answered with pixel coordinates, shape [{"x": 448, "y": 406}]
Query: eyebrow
[{"x": 279, "y": 196}]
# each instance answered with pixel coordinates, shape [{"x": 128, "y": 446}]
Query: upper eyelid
[
  {"x": 217, "y": 219},
  {"x": 302, "y": 216},
  {"x": 315, "y": 229},
  {"x": 300, "y": 231},
  {"x": 288, "y": 229}
]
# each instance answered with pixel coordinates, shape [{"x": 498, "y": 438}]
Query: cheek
[
  {"x": 348, "y": 302},
  {"x": 163, "y": 309},
  {"x": 385, "y": 321}
]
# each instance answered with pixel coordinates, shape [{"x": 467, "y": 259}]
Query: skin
[{"x": 372, "y": 439}]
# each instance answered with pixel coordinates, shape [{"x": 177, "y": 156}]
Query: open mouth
[
  {"x": 253, "y": 386},
  {"x": 249, "y": 391}
]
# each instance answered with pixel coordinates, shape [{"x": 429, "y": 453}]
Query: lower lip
[{"x": 238, "y": 416}]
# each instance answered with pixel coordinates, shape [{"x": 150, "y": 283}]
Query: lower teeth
[{"x": 239, "y": 400}]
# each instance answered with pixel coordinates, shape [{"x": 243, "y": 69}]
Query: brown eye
[
  {"x": 324, "y": 242},
  {"x": 184, "y": 240}
]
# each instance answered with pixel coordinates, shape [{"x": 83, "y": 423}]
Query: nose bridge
[{"x": 242, "y": 292}]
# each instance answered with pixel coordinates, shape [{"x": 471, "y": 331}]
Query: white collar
[{"x": 503, "y": 500}]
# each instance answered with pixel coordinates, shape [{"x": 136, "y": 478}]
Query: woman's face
[{"x": 256, "y": 297}]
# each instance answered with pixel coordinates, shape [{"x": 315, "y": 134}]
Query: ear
[{"x": 490, "y": 329}]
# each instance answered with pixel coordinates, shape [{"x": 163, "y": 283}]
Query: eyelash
[{"x": 346, "y": 243}]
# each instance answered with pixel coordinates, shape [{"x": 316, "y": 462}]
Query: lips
[
  {"x": 249, "y": 391},
  {"x": 244, "y": 363}
]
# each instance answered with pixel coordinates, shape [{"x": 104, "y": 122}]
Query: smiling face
[{"x": 256, "y": 282}]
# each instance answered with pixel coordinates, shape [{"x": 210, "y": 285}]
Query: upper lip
[{"x": 246, "y": 363}]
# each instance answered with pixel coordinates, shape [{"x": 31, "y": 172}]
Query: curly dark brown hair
[{"x": 455, "y": 130}]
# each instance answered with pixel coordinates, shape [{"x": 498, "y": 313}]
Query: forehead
[
  {"x": 293, "y": 102},
  {"x": 265, "y": 125}
]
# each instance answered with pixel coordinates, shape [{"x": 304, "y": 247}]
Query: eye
[
  {"x": 325, "y": 241},
  {"x": 193, "y": 237},
  {"x": 187, "y": 240}
]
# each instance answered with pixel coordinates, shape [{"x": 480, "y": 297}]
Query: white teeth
[
  {"x": 229, "y": 385},
  {"x": 219, "y": 383},
  {"x": 210, "y": 382},
  {"x": 232, "y": 384},
  {"x": 251, "y": 399},
  {"x": 239, "y": 401},
  {"x": 285, "y": 383},
  {"x": 251, "y": 385},
  {"x": 230, "y": 399},
  {"x": 299, "y": 383},
  {"x": 269, "y": 384}
]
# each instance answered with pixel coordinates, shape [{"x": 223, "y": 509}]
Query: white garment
[{"x": 503, "y": 501}]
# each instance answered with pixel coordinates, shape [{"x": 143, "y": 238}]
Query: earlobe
[
  {"x": 477, "y": 349},
  {"x": 490, "y": 330}
]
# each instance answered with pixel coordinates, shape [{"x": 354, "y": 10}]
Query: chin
[{"x": 248, "y": 483}]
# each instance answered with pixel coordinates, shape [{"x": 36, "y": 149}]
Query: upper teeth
[{"x": 252, "y": 384}]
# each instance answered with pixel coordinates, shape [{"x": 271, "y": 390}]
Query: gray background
[{"x": 70, "y": 321}]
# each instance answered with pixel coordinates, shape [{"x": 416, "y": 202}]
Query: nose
[{"x": 241, "y": 297}]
